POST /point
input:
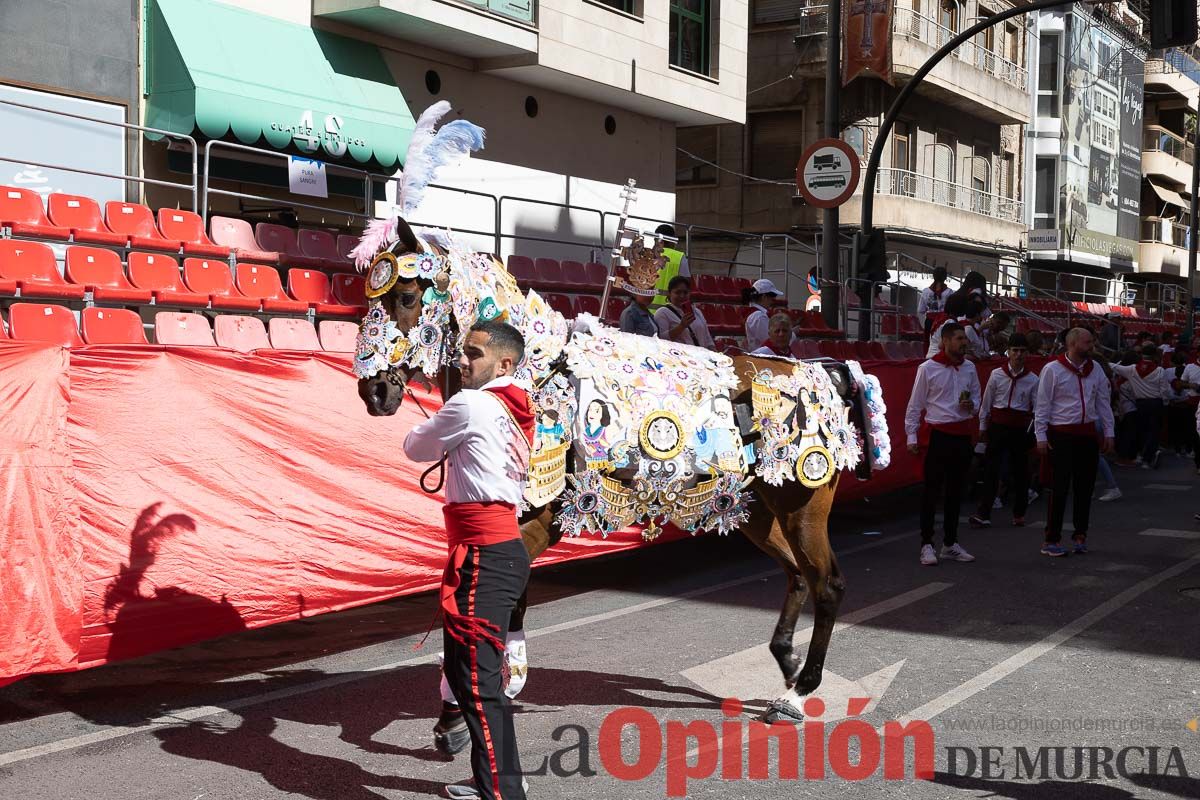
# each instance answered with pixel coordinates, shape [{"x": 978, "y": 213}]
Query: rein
[{"x": 440, "y": 466}]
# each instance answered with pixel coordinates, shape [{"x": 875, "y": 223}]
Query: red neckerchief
[
  {"x": 945, "y": 361},
  {"x": 938, "y": 292},
  {"x": 1145, "y": 367},
  {"x": 1080, "y": 372},
  {"x": 516, "y": 402},
  {"x": 779, "y": 351},
  {"x": 1013, "y": 378}
]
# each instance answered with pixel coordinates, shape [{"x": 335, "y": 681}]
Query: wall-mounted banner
[
  {"x": 307, "y": 176},
  {"x": 866, "y": 39}
]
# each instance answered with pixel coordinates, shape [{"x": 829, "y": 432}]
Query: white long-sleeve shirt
[
  {"x": 1154, "y": 385},
  {"x": 1067, "y": 397},
  {"x": 488, "y": 456},
  {"x": 1003, "y": 392},
  {"x": 936, "y": 392},
  {"x": 931, "y": 302},
  {"x": 697, "y": 333},
  {"x": 756, "y": 327},
  {"x": 975, "y": 343}
]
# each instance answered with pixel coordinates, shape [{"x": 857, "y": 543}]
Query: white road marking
[
  {"x": 1170, "y": 533},
  {"x": 202, "y": 712},
  {"x": 1168, "y": 487},
  {"x": 1013, "y": 663}
]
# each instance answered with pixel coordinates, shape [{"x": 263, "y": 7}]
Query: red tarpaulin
[{"x": 155, "y": 497}]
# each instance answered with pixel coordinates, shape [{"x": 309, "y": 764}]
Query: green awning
[{"x": 218, "y": 69}]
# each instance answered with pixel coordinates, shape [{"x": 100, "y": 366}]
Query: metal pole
[
  {"x": 885, "y": 128},
  {"x": 833, "y": 129},
  {"x": 1191, "y": 318}
]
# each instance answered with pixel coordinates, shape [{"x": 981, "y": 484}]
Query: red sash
[
  {"x": 1086, "y": 429},
  {"x": 472, "y": 524},
  {"x": 1012, "y": 417},
  {"x": 962, "y": 427}
]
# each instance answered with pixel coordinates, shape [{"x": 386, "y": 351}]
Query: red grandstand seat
[
  {"x": 827, "y": 348},
  {"x": 312, "y": 287},
  {"x": 587, "y": 304},
  {"x": 337, "y": 336},
  {"x": 894, "y": 351},
  {"x": 350, "y": 290},
  {"x": 293, "y": 333},
  {"x": 3, "y": 329},
  {"x": 32, "y": 267},
  {"x": 549, "y": 274},
  {"x": 575, "y": 277},
  {"x": 728, "y": 290},
  {"x": 210, "y": 277},
  {"x": 188, "y": 228},
  {"x": 102, "y": 273},
  {"x": 916, "y": 349},
  {"x": 282, "y": 240},
  {"x": 597, "y": 274},
  {"x": 705, "y": 288},
  {"x": 345, "y": 243},
  {"x": 159, "y": 273},
  {"x": 137, "y": 222},
  {"x": 845, "y": 350},
  {"x": 237, "y": 235},
  {"x": 616, "y": 305},
  {"x": 243, "y": 334},
  {"x": 889, "y": 325},
  {"x": 34, "y": 322},
  {"x": 739, "y": 284},
  {"x": 182, "y": 329},
  {"x": 254, "y": 280},
  {"x": 861, "y": 350},
  {"x": 522, "y": 269},
  {"x": 21, "y": 210},
  {"x": 560, "y": 303},
  {"x": 82, "y": 215},
  {"x": 877, "y": 351},
  {"x": 322, "y": 246},
  {"x": 112, "y": 326},
  {"x": 714, "y": 317}
]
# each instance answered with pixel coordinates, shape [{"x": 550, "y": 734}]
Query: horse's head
[{"x": 400, "y": 303}]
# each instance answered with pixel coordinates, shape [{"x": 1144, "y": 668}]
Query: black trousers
[
  {"x": 1149, "y": 425},
  {"x": 491, "y": 581},
  {"x": 1073, "y": 461},
  {"x": 946, "y": 463},
  {"x": 1005, "y": 440}
]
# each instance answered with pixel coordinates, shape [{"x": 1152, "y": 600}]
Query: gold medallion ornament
[
  {"x": 385, "y": 271},
  {"x": 814, "y": 467},
  {"x": 661, "y": 435},
  {"x": 645, "y": 264}
]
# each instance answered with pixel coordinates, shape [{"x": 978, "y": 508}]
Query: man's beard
[{"x": 479, "y": 379}]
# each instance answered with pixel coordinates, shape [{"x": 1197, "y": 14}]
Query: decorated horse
[{"x": 630, "y": 430}]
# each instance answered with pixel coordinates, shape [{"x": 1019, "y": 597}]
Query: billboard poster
[{"x": 1100, "y": 174}]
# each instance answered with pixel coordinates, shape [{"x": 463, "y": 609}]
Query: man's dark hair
[
  {"x": 950, "y": 328},
  {"x": 679, "y": 280},
  {"x": 665, "y": 230},
  {"x": 1167, "y": 336},
  {"x": 939, "y": 274},
  {"x": 974, "y": 280},
  {"x": 1151, "y": 352},
  {"x": 956, "y": 304},
  {"x": 975, "y": 308},
  {"x": 1129, "y": 357},
  {"x": 503, "y": 337},
  {"x": 999, "y": 317},
  {"x": 1018, "y": 340}
]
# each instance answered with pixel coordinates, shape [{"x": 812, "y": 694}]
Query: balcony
[
  {"x": 1164, "y": 74},
  {"x": 1167, "y": 154},
  {"x": 472, "y": 28},
  {"x": 906, "y": 199},
  {"x": 1163, "y": 247},
  {"x": 973, "y": 78}
]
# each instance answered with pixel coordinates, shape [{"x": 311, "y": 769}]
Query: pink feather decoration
[{"x": 378, "y": 234}]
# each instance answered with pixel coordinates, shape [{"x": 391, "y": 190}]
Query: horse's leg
[{"x": 807, "y": 529}]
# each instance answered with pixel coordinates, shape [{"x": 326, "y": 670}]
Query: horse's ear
[{"x": 406, "y": 237}]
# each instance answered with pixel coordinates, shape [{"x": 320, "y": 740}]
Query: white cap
[{"x": 764, "y": 286}]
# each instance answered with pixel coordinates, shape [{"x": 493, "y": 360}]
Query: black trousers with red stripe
[{"x": 492, "y": 580}]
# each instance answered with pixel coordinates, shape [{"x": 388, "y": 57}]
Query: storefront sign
[{"x": 1043, "y": 239}]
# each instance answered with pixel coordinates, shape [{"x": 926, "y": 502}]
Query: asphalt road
[{"x": 1044, "y": 661}]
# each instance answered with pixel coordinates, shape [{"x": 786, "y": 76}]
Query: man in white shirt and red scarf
[
  {"x": 486, "y": 433},
  {"x": 1073, "y": 394},
  {"x": 1005, "y": 416},
  {"x": 933, "y": 298},
  {"x": 946, "y": 391},
  {"x": 1150, "y": 386}
]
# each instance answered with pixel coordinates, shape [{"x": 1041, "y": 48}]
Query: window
[
  {"x": 856, "y": 137},
  {"x": 1045, "y": 193},
  {"x": 688, "y": 40},
  {"x": 902, "y": 146},
  {"x": 701, "y": 143},
  {"x": 1012, "y": 37},
  {"x": 767, "y": 12},
  {"x": 948, "y": 16},
  {"x": 945, "y": 153},
  {"x": 628, "y": 6},
  {"x": 1049, "y": 76},
  {"x": 776, "y": 142},
  {"x": 1008, "y": 176}
]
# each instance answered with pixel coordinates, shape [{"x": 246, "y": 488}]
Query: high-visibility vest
[{"x": 669, "y": 271}]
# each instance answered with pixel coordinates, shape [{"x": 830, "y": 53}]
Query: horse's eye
[{"x": 408, "y": 300}]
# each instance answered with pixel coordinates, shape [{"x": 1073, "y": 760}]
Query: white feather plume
[{"x": 429, "y": 151}]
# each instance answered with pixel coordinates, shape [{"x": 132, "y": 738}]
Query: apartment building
[{"x": 950, "y": 186}]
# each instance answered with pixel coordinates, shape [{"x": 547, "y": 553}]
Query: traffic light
[
  {"x": 872, "y": 256},
  {"x": 1172, "y": 23}
]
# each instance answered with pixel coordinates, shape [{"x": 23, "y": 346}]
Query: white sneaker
[
  {"x": 1032, "y": 496},
  {"x": 1112, "y": 494},
  {"x": 955, "y": 552},
  {"x": 997, "y": 504},
  {"x": 928, "y": 557}
]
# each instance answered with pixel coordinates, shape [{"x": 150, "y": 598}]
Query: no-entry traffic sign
[{"x": 827, "y": 174}]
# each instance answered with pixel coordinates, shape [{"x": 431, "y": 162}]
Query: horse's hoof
[
  {"x": 782, "y": 710},
  {"x": 450, "y": 734}
]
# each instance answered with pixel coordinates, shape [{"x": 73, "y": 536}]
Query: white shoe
[
  {"x": 1112, "y": 494},
  {"x": 1032, "y": 496},
  {"x": 517, "y": 663},
  {"x": 997, "y": 504},
  {"x": 955, "y": 552},
  {"x": 928, "y": 557}
]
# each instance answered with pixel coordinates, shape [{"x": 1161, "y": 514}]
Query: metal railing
[
  {"x": 192, "y": 187},
  {"x": 918, "y": 27},
  {"x": 1158, "y": 139},
  {"x": 1164, "y": 231},
  {"x": 906, "y": 183}
]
